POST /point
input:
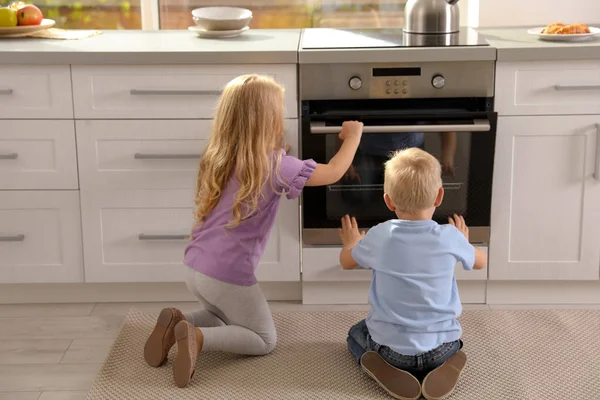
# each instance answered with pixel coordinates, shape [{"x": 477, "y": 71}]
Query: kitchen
[{"x": 106, "y": 212}]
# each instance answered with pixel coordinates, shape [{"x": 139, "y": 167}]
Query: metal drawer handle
[
  {"x": 479, "y": 125},
  {"x": 597, "y": 169},
  {"x": 9, "y": 156},
  {"x": 6, "y": 91},
  {"x": 152, "y": 92},
  {"x": 13, "y": 238},
  {"x": 160, "y": 156},
  {"x": 143, "y": 236},
  {"x": 576, "y": 87}
]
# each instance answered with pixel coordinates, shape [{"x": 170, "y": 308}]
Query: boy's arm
[
  {"x": 480, "y": 259},
  {"x": 350, "y": 236},
  {"x": 346, "y": 259}
]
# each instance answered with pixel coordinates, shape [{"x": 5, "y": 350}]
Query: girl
[{"x": 243, "y": 173}]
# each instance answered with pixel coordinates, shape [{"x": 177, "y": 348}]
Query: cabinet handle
[
  {"x": 6, "y": 92},
  {"x": 143, "y": 236},
  {"x": 9, "y": 156},
  {"x": 12, "y": 238},
  {"x": 160, "y": 156},
  {"x": 597, "y": 169},
  {"x": 148, "y": 92},
  {"x": 576, "y": 87}
]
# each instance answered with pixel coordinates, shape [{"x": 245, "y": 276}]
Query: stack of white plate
[{"x": 220, "y": 22}]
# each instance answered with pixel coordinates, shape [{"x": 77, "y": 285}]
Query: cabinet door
[
  {"x": 281, "y": 259},
  {"x": 135, "y": 235},
  {"x": 38, "y": 155},
  {"x": 545, "y": 222},
  {"x": 132, "y": 154},
  {"x": 40, "y": 237}
]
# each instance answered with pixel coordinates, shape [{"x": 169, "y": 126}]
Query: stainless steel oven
[{"x": 444, "y": 108}]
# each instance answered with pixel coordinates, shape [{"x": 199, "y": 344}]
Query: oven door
[{"x": 463, "y": 142}]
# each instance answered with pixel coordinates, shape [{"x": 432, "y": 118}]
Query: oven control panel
[
  {"x": 398, "y": 86},
  {"x": 394, "y": 81}
]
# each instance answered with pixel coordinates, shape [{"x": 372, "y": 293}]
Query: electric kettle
[{"x": 431, "y": 16}]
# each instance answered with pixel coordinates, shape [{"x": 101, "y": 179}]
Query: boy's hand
[
  {"x": 459, "y": 222},
  {"x": 351, "y": 130},
  {"x": 349, "y": 233}
]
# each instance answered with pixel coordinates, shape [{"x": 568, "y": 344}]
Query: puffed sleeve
[{"x": 293, "y": 175}]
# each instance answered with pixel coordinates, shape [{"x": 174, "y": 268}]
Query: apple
[
  {"x": 8, "y": 17},
  {"x": 29, "y": 15}
]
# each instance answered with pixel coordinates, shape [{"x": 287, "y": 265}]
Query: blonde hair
[
  {"x": 413, "y": 178},
  {"x": 247, "y": 128}
]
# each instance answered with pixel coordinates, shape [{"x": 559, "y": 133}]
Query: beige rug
[{"x": 513, "y": 355}]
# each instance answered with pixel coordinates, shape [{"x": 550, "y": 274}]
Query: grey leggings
[{"x": 235, "y": 319}]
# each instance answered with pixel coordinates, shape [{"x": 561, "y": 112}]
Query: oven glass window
[
  {"x": 360, "y": 191},
  {"x": 467, "y": 169}
]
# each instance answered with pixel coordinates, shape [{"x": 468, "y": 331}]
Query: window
[
  {"x": 281, "y": 14},
  {"x": 176, "y": 14},
  {"x": 90, "y": 14}
]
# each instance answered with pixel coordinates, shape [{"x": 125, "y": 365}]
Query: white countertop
[
  {"x": 273, "y": 46},
  {"x": 515, "y": 44}
]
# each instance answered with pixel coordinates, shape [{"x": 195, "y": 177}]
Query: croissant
[
  {"x": 573, "y": 29},
  {"x": 553, "y": 28}
]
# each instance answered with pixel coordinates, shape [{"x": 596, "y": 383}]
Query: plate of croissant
[{"x": 559, "y": 32}]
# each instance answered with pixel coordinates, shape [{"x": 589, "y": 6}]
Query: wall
[{"x": 485, "y": 13}]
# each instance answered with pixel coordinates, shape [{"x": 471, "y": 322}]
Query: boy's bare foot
[
  {"x": 440, "y": 382},
  {"x": 189, "y": 343},
  {"x": 162, "y": 337},
  {"x": 399, "y": 384}
]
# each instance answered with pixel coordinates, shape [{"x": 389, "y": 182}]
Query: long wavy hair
[{"x": 247, "y": 129}]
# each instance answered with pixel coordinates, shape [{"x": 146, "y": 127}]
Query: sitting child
[{"x": 411, "y": 334}]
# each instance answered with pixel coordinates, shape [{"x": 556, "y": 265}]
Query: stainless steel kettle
[{"x": 431, "y": 16}]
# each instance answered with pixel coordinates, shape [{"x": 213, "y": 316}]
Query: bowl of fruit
[{"x": 20, "y": 19}]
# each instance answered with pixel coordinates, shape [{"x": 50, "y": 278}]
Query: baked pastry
[
  {"x": 558, "y": 28},
  {"x": 553, "y": 28},
  {"x": 574, "y": 29}
]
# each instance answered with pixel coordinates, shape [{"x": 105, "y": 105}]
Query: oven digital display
[{"x": 396, "y": 71}]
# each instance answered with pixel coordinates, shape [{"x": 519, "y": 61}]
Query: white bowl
[{"x": 222, "y": 18}]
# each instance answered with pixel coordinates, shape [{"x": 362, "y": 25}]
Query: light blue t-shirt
[{"x": 414, "y": 298}]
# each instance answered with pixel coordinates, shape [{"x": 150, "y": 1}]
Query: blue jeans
[{"x": 360, "y": 341}]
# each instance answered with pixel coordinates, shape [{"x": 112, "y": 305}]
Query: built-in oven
[{"x": 445, "y": 109}]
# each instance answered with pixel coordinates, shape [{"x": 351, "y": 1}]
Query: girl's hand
[
  {"x": 349, "y": 232},
  {"x": 459, "y": 222},
  {"x": 351, "y": 130}
]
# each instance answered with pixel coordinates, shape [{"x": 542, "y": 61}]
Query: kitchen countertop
[
  {"x": 515, "y": 44},
  {"x": 273, "y": 46},
  {"x": 276, "y": 46}
]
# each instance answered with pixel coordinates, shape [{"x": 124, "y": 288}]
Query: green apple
[{"x": 8, "y": 17}]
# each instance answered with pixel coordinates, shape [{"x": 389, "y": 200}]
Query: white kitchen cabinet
[
  {"x": 38, "y": 155},
  {"x": 140, "y": 236},
  {"x": 133, "y": 154},
  {"x": 548, "y": 88},
  {"x": 35, "y": 92},
  {"x": 165, "y": 91},
  {"x": 546, "y": 206},
  {"x": 40, "y": 237}
]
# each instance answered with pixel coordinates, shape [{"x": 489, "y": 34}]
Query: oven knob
[
  {"x": 355, "y": 83},
  {"x": 438, "y": 81}
]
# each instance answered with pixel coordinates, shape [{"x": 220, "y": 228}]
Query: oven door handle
[{"x": 478, "y": 125}]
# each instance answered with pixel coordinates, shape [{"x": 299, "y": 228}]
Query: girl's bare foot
[
  {"x": 162, "y": 337},
  {"x": 189, "y": 343}
]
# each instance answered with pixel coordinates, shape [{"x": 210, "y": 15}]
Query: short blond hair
[{"x": 413, "y": 178}]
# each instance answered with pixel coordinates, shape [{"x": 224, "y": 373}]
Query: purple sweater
[{"x": 232, "y": 254}]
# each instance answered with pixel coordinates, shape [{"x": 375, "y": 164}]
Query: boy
[{"x": 411, "y": 333}]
